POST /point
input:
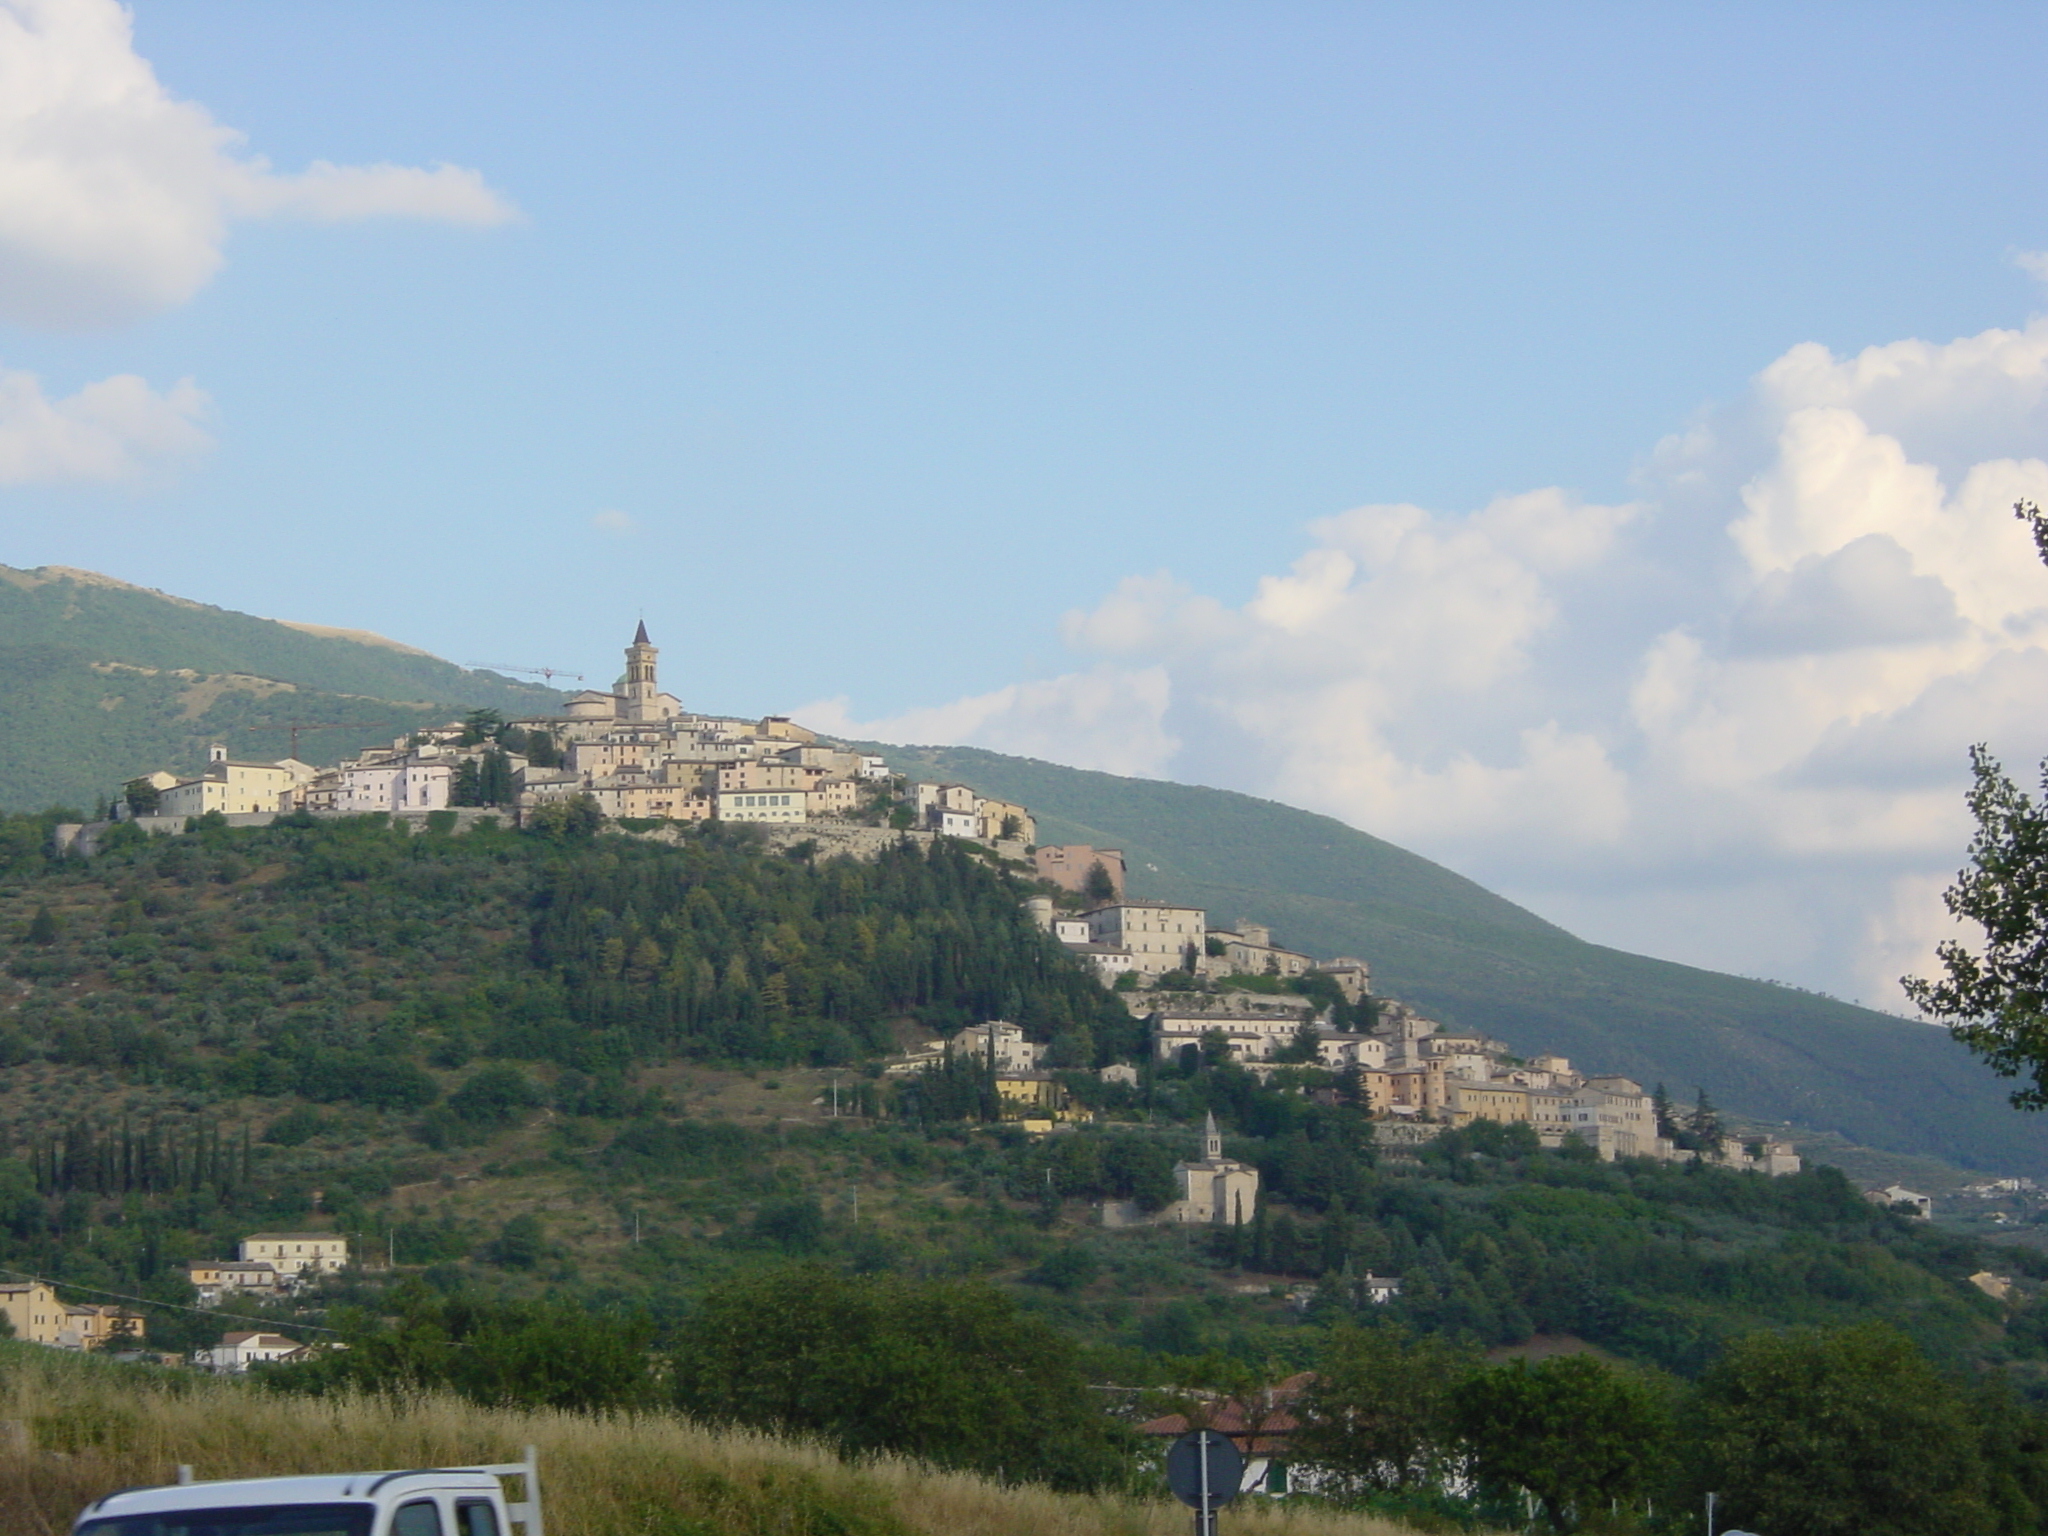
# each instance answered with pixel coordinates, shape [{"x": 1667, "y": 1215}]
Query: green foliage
[
  {"x": 1996, "y": 1001},
  {"x": 574, "y": 819},
  {"x": 1098, "y": 886},
  {"x": 361, "y": 1077},
  {"x": 948, "y": 1371},
  {"x": 712, "y": 951},
  {"x": 494, "y": 1096},
  {"x": 295, "y": 1127},
  {"x": 535, "y": 1355},
  {"x": 42, "y": 928},
  {"x": 1578, "y": 1435},
  {"x": 1377, "y": 1417},
  {"x": 1844, "y": 1433},
  {"x": 522, "y": 1243},
  {"x": 1069, "y": 1267}
]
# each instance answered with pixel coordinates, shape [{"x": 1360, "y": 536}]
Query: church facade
[{"x": 1217, "y": 1191}]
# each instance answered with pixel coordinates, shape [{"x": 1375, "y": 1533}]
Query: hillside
[
  {"x": 610, "y": 1066},
  {"x": 100, "y": 681},
  {"x": 96, "y": 1427},
  {"x": 1448, "y": 945}
]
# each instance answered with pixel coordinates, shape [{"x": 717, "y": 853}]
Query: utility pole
[{"x": 1710, "y": 1512}]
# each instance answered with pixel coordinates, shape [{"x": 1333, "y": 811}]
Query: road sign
[{"x": 1204, "y": 1469}]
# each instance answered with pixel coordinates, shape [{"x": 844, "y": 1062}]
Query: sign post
[{"x": 1204, "y": 1469}]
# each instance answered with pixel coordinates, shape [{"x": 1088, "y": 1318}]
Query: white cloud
[
  {"x": 614, "y": 522},
  {"x": 1725, "y": 722},
  {"x": 115, "y": 197},
  {"x": 2033, "y": 263},
  {"x": 118, "y": 429}
]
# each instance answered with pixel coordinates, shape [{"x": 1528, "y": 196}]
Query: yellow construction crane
[{"x": 550, "y": 673}]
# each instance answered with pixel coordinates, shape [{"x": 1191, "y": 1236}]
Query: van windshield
[{"x": 247, "y": 1520}]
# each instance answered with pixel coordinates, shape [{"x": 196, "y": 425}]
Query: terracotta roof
[{"x": 1260, "y": 1429}]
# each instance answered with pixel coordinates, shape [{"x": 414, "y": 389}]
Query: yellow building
[
  {"x": 1024, "y": 1094},
  {"x": 997, "y": 814},
  {"x": 34, "y": 1311},
  {"x": 1421, "y": 1090},
  {"x": 1468, "y": 1101},
  {"x": 296, "y": 1253},
  {"x": 236, "y": 789},
  {"x": 97, "y": 1327}
]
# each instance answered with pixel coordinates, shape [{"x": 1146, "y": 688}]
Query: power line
[{"x": 174, "y": 1306}]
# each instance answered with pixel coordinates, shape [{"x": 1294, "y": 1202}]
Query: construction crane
[
  {"x": 296, "y": 726},
  {"x": 550, "y": 673}
]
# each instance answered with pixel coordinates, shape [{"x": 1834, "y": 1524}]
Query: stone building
[{"x": 1217, "y": 1190}]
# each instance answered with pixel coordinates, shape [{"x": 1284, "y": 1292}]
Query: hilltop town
[{"x": 635, "y": 755}]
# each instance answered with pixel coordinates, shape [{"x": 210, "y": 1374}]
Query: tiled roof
[{"x": 1260, "y": 1429}]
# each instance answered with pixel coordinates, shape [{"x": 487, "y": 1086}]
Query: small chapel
[{"x": 1218, "y": 1190}]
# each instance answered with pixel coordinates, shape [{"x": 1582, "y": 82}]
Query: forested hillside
[
  {"x": 100, "y": 681},
  {"x": 1469, "y": 957},
  {"x": 610, "y": 1106}
]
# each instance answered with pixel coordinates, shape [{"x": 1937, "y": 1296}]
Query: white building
[
  {"x": 951, "y": 823},
  {"x": 763, "y": 805},
  {"x": 1252, "y": 1031},
  {"x": 1161, "y": 937},
  {"x": 1611, "y": 1114},
  {"x": 236, "y": 1352},
  {"x": 421, "y": 786},
  {"x": 1898, "y": 1194},
  {"x": 1338, "y": 1051},
  {"x": 1012, "y": 1052}
]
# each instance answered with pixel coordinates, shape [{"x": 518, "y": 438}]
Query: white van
[{"x": 429, "y": 1501}]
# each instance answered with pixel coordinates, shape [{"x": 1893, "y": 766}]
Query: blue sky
[{"x": 985, "y": 372}]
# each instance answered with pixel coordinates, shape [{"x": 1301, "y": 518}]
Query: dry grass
[{"x": 74, "y": 1430}]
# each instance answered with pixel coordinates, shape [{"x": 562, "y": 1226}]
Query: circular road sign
[{"x": 1204, "y": 1469}]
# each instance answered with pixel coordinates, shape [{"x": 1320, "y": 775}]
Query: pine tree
[
  {"x": 1706, "y": 1123},
  {"x": 1660, "y": 1105},
  {"x": 42, "y": 928}
]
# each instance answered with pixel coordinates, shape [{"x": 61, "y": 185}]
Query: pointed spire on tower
[
  {"x": 1212, "y": 1139},
  {"x": 640, "y": 635}
]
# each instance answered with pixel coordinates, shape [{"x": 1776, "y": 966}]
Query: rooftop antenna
[{"x": 296, "y": 726}]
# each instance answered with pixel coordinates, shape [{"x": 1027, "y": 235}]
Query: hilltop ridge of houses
[{"x": 635, "y": 753}]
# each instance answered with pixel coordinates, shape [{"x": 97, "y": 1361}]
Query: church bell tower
[{"x": 641, "y": 693}]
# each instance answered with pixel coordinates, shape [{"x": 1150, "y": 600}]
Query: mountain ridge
[{"x": 102, "y": 680}]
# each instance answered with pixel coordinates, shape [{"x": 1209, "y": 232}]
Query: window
[
  {"x": 474, "y": 1517},
  {"x": 419, "y": 1518},
  {"x": 269, "y": 1520}
]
